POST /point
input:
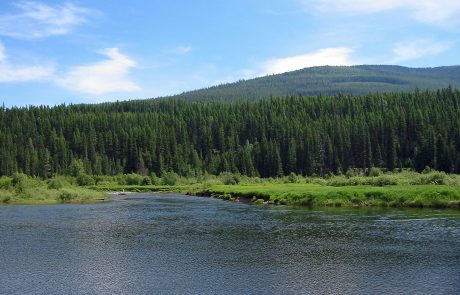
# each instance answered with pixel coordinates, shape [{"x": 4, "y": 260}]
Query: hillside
[
  {"x": 313, "y": 135},
  {"x": 328, "y": 80}
]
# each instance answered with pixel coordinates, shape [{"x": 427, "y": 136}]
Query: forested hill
[
  {"x": 267, "y": 137},
  {"x": 328, "y": 80}
]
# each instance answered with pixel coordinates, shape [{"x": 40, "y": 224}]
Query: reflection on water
[{"x": 176, "y": 244}]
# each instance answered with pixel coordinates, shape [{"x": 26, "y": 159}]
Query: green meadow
[
  {"x": 25, "y": 190},
  {"x": 357, "y": 188},
  {"x": 307, "y": 194}
]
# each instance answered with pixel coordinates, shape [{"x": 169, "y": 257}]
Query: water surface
[{"x": 173, "y": 244}]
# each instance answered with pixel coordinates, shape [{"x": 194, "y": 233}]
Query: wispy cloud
[
  {"x": 38, "y": 20},
  {"x": 438, "y": 12},
  {"x": 22, "y": 73},
  {"x": 181, "y": 50},
  {"x": 110, "y": 75},
  {"x": 328, "y": 56},
  {"x": 416, "y": 49}
]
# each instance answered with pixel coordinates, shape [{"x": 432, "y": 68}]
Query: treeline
[
  {"x": 271, "y": 137},
  {"x": 332, "y": 80}
]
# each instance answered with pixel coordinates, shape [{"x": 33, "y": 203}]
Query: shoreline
[
  {"x": 305, "y": 195},
  {"x": 429, "y": 196}
]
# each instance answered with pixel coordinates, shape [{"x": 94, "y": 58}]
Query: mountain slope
[{"x": 328, "y": 80}]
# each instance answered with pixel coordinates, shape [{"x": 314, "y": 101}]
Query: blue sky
[{"x": 54, "y": 52}]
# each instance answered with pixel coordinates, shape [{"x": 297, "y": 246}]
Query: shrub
[
  {"x": 434, "y": 177},
  {"x": 169, "y": 178},
  {"x": 337, "y": 181},
  {"x": 19, "y": 178},
  {"x": 85, "y": 179},
  {"x": 19, "y": 181},
  {"x": 154, "y": 179},
  {"x": 292, "y": 178},
  {"x": 229, "y": 178},
  {"x": 66, "y": 196},
  {"x": 5, "y": 182},
  {"x": 384, "y": 180},
  {"x": 75, "y": 194},
  {"x": 352, "y": 172},
  {"x": 146, "y": 181},
  {"x": 133, "y": 179},
  {"x": 374, "y": 171},
  {"x": 57, "y": 183},
  {"x": 6, "y": 196}
]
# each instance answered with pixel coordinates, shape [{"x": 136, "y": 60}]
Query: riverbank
[
  {"x": 315, "y": 195},
  {"x": 23, "y": 190},
  {"x": 403, "y": 189},
  {"x": 53, "y": 196},
  {"x": 417, "y": 196}
]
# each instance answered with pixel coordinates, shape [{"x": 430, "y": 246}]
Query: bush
[
  {"x": 67, "y": 196},
  {"x": 337, "y": 181},
  {"x": 292, "y": 178},
  {"x": 353, "y": 172},
  {"x": 133, "y": 179},
  {"x": 169, "y": 178},
  {"x": 374, "y": 172},
  {"x": 57, "y": 183},
  {"x": 434, "y": 177},
  {"x": 6, "y": 196},
  {"x": 19, "y": 178},
  {"x": 229, "y": 178},
  {"x": 5, "y": 182},
  {"x": 384, "y": 180},
  {"x": 19, "y": 181},
  {"x": 85, "y": 179},
  {"x": 154, "y": 179}
]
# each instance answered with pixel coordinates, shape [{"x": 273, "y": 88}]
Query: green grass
[
  {"x": 51, "y": 196},
  {"x": 185, "y": 189},
  {"x": 355, "y": 189},
  {"x": 21, "y": 189},
  {"x": 438, "y": 196}
]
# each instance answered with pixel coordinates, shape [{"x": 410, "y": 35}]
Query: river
[{"x": 174, "y": 244}]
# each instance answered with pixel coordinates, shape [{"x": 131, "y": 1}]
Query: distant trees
[{"x": 269, "y": 137}]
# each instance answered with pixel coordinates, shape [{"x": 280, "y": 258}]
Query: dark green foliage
[
  {"x": 374, "y": 171},
  {"x": 58, "y": 183},
  {"x": 332, "y": 80},
  {"x": 291, "y": 135},
  {"x": 85, "y": 179},
  {"x": 229, "y": 178},
  {"x": 133, "y": 179},
  {"x": 169, "y": 178}
]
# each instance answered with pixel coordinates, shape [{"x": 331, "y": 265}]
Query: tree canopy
[{"x": 268, "y": 137}]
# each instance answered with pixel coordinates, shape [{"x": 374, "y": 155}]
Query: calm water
[{"x": 172, "y": 244}]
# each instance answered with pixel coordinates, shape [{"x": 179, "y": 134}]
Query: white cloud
[
  {"x": 21, "y": 73},
  {"x": 336, "y": 56},
  {"x": 417, "y": 48},
  {"x": 102, "y": 77},
  {"x": 38, "y": 20},
  {"x": 181, "y": 50},
  {"x": 439, "y": 12}
]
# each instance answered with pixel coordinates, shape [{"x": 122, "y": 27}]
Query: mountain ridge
[{"x": 331, "y": 80}]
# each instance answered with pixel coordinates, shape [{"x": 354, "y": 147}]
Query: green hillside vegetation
[
  {"x": 332, "y": 80},
  {"x": 317, "y": 135}
]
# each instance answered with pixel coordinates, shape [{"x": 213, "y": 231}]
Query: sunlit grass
[{"x": 439, "y": 196}]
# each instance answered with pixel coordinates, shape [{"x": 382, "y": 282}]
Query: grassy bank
[
  {"x": 308, "y": 194},
  {"x": 21, "y": 189},
  {"x": 357, "y": 188}
]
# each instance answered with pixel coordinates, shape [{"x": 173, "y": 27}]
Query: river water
[{"x": 174, "y": 244}]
